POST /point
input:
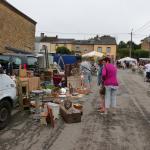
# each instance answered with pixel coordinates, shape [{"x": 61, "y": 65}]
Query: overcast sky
[{"x": 82, "y": 19}]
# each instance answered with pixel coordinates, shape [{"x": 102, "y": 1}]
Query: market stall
[
  {"x": 46, "y": 101},
  {"x": 128, "y": 59},
  {"x": 46, "y": 95},
  {"x": 93, "y": 54},
  {"x": 127, "y": 62}
]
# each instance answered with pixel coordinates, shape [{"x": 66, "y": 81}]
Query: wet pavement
[{"x": 127, "y": 130}]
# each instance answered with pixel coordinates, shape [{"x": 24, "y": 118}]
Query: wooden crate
[
  {"x": 34, "y": 83},
  {"x": 83, "y": 91},
  {"x": 70, "y": 118},
  {"x": 74, "y": 81},
  {"x": 23, "y": 91}
]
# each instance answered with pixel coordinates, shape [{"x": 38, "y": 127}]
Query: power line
[
  {"x": 139, "y": 34},
  {"x": 143, "y": 26},
  {"x": 80, "y": 33},
  {"x": 116, "y": 35},
  {"x": 145, "y": 29}
]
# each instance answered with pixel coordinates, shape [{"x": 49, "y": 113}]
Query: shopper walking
[
  {"x": 109, "y": 75},
  {"x": 85, "y": 69}
]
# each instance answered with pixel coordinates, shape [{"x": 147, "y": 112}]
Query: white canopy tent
[
  {"x": 129, "y": 59},
  {"x": 93, "y": 54},
  {"x": 147, "y": 65}
]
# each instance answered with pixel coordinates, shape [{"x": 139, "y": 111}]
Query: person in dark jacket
[{"x": 101, "y": 108}]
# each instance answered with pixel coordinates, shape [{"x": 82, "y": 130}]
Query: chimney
[
  {"x": 42, "y": 35},
  {"x": 56, "y": 36}
]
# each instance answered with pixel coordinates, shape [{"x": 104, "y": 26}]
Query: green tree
[
  {"x": 63, "y": 50},
  {"x": 134, "y": 45},
  {"x": 141, "y": 54},
  {"x": 123, "y": 50},
  {"x": 122, "y": 44}
]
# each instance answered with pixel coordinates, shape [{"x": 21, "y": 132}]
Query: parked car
[
  {"x": 7, "y": 98},
  {"x": 13, "y": 61}
]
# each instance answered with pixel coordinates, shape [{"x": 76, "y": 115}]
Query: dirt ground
[{"x": 128, "y": 130}]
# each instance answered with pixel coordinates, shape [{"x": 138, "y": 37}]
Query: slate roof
[
  {"x": 145, "y": 39},
  {"x": 64, "y": 41},
  {"x": 49, "y": 39},
  {"x": 84, "y": 42},
  {"x": 8, "y": 5},
  {"x": 105, "y": 40}
]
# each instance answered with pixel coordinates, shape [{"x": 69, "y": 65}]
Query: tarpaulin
[{"x": 64, "y": 59}]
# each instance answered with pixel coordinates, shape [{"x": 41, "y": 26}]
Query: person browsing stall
[{"x": 85, "y": 69}]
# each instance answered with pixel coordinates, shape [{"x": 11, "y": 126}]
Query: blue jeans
[
  {"x": 110, "y": 97},
  {"x": 87, "y": 78}
]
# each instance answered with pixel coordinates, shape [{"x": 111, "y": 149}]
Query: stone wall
[{"x": 15, "y": 30}]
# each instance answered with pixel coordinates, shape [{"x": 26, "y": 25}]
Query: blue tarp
[{"x": 67, "y": 59}]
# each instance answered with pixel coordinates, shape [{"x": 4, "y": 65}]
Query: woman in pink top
[{"x": 109, "y": 75}]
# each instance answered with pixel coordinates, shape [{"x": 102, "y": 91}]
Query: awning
[
  {"x": 127, "y": 59},
  {"x": 17, "y": 50},
  {"x": 93, "y": 54}
]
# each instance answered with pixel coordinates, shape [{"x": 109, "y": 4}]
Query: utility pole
[
  {"x": 149, "y": 45},
  {"x": 130, "y": 53}
]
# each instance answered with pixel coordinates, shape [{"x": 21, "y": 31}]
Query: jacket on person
[
  {"x": 99, "y": 75},
  {"x": 109, "y": 75},
  {"x": 85, "y": 67}
]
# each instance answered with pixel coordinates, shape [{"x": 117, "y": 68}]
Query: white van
[{"x": 7, "y": 98}]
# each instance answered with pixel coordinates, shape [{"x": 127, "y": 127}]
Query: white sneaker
[{"x": 106, "y": 112}]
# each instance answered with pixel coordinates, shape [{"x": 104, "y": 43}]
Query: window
[
  {"x": 99, "y": 49},
  {"x": 16, "y": 62},
  {"x": 4, "y": 60},
  {"x": 32, "y": 62},
  {"x": 108, "y": 49},
  {"x": 77, "y": 47}
]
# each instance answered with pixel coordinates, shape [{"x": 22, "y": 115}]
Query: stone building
[
  {"x": 145, "y": 44},
  {"x": 52, "y": 43},
  {"x": 104, "y": 44},
  {"x": 83, "y": 46},
  {"x": 17, "y": 30}
]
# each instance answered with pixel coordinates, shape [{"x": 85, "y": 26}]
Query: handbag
[{"x": 102, "y": 90}]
